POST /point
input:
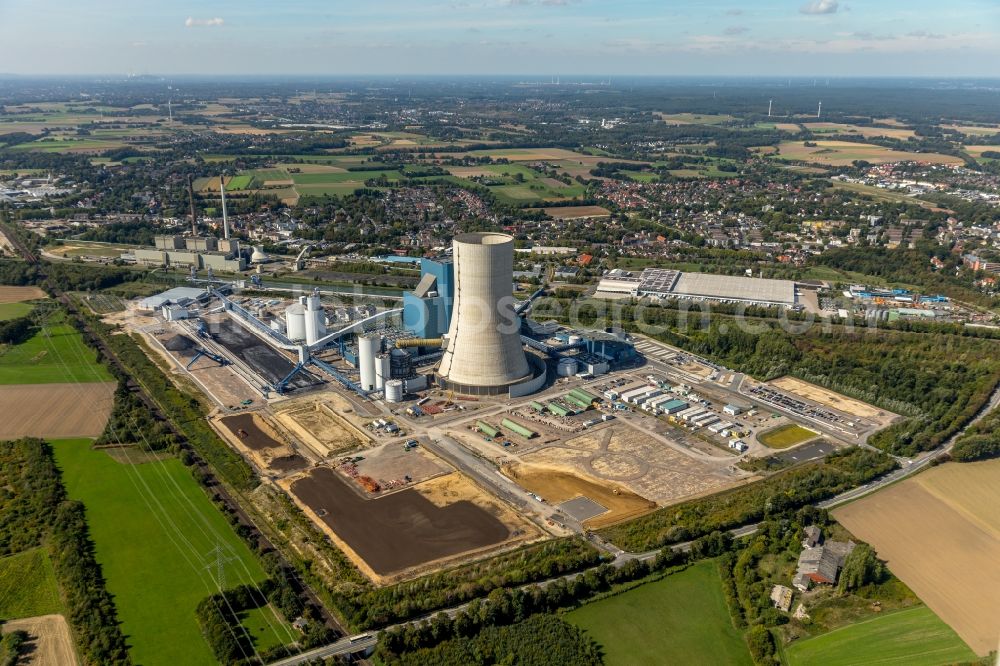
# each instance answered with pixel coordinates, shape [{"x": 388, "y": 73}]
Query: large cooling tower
[{"x": 484, "y": 352}]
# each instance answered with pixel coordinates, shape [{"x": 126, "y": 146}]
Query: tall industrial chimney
[
  {"x": 484, "y": 352},
  {"x": 225, "y": 217}
]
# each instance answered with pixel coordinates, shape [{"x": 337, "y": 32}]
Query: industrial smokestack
[
  {"x": 225, "y": 218},
  {"x": 484, "y": 352},
  {"x": 194, "y": 220}
]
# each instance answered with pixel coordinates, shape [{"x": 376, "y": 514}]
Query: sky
[{"x": 525, "y": 37}]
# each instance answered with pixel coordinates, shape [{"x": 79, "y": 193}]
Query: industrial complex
[{"x": 515, "y": 429}]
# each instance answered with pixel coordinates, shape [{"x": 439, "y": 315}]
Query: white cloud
[
  {"x": 820, "y": 7},
  {"x": 191, "y": 22},
  {"x": 923, "y": 34},
  {"x": 735, "y": 12},
  {"x": 736, "y": 30}
]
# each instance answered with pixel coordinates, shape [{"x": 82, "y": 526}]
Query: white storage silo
[
  {"x": 314, "y": 317},
  {"x": 295, "y": 321},
  {"x": 382, "y": 370},
  {"x": 394, "y": 390},
  {"x": 567, "y": 367},
  {"x": 368, "y": 347}
]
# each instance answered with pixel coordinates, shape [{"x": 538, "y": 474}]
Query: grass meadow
[
  {"x": 28, "y": 585},
  {"x": 154, "y": 531},
  {"x": 786, "y": 436},
  {"x": 680, "y": 619},
  {"x": 911, "y": 637},
  {"x": 54, "y": 355}
]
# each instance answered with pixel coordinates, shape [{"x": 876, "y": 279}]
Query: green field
[
  {"x": 267, "y": 627},
  {"x": 641, "y": 176},
  {"x": 786, "y": 436},
  {"x": 14, "y": 310},
  {"x": 68, "y": 145},
  {"x": 28, "y": 585},
  {"x": 910, "y": 637},
  {"x": 54, "y": 355},
  {"x": 239, "y": 183},
  {"x": 154, "y": 531},
  {"x": 681, "y": 619}
]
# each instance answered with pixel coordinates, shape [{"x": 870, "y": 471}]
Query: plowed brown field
[
  {"x": 55, "y": 411},
  {"x": 940, "y": 533}
]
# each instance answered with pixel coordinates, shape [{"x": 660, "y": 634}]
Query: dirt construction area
[
  {"x": 841, "y": 403},
  {"x": 410, "y": 532},
  {"x": 940, "y": 533},
  {"x": 18, "y": 294},
  {"x": 632, "y": 460},
  {"x": 49, "y": 641},
  {"x": 55, "y": 411},
  {"x": 557, "y": 487},
  {"x": 319, "y": 425},
  {"x": 258, "y": 438}
]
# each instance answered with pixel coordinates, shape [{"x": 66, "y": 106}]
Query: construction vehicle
[{"x": 242, "y": 434}]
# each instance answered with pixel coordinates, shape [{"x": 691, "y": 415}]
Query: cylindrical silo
[
  {"x": 394, "y": 390},
  {"x": 567, "y": 367},
  {"x": 484, "y": 349},
  {"x": 295, "y": 321},
  {"x": 383, "y": 370},
  {"x": 314, "y": 319},
  {"x": 368, "y": 347}
]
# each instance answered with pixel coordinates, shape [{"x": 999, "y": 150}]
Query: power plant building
[
  {"x": 484, "y": 353},
  {"x": 427, "y": 309}
]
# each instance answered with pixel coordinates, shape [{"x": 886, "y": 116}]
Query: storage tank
[
  {"x": 566, "y": 368},
  {"x": 295, "y": 321},
  {"x": 368, "y": 347},
  {"x": 484, "y": 352},
  {"x": 574, "y": 339},
  {"x": 382, "y": 370},
  {"x": 314, "y": 317},
  {"x": 394, "y": 390}
]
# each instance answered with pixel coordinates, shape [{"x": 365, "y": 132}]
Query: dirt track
[
  {"x": 940, "y": 533},
  {"x": 55, "y": 410},
  {"x": 50, "y": 642}
]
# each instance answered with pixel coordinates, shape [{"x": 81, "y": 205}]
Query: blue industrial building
[{"x": 427, "y": 309}]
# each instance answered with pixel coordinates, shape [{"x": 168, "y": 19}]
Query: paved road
[{"x": 341, "y": 647}]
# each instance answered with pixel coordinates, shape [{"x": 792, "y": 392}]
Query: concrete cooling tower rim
[{"x": 483, "y": 238}]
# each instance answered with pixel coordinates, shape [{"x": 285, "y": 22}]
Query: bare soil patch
[
  {"x": 50, "y": 642},
  {"x": 319, "y": 425},
  {"x": 19, "y": 294},
  {"x": 408, "y": 532},
  {"x": 55, "y": 411},
  {"x": 558, "y": 486},
  {"x": 940, "y": 533}
]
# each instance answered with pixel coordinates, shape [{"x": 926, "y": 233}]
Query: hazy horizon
[{"x": 776, "y": 38}]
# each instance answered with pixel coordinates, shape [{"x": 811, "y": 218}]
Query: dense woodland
[
  {"x": 980, "y": 441},
  {"x": 538, "y": 641}
]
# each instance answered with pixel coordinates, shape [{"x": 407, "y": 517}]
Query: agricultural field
[
  {"x": 680, "y": 619},
  {"x": 786, "y": 436},
  {"x": 20, "y": 294},
  {"x": 74, "y": 248},
  {"x": 844, "y": 153},
  {"x": 695, "y": 118},
  {"x": 863, "y": 130},
  {"x": 69, "y": 145},
  {"x": 49, "y": 640},
  {"x": 912, "y": 636},
  {"x": 55, "y": 354},
  {"x": 28, "y": 585},
  {"x": 55, "y": 410},
  {"x": 155, "y": 534},
  {"x": 576, "y": 212},
  {"x": 977, "y": 151},
  {"x": 939, "y": 531},
  {"x": 14, "y": 310}
]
